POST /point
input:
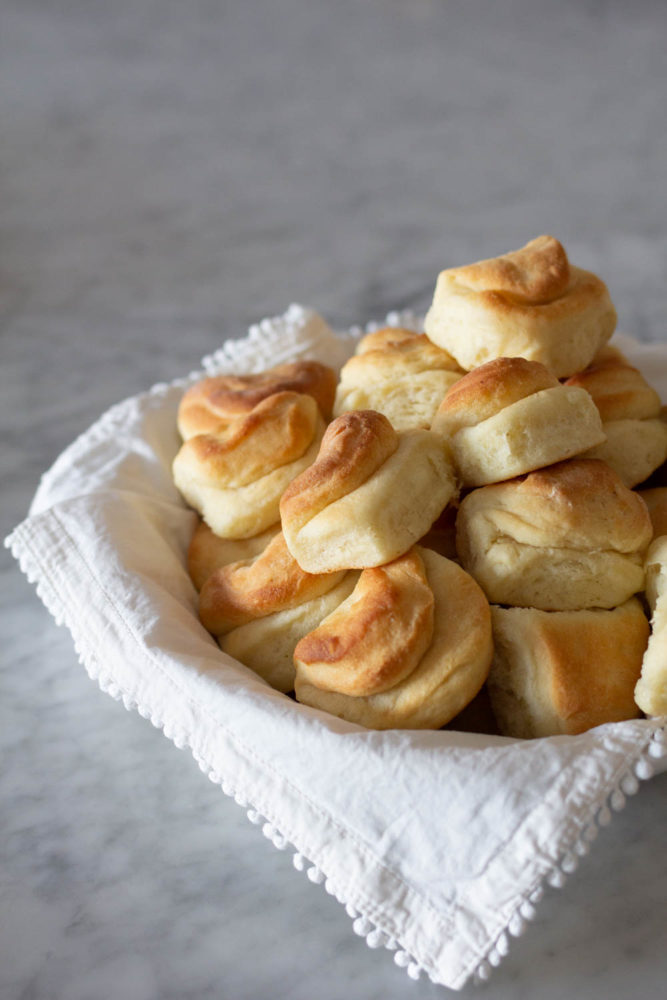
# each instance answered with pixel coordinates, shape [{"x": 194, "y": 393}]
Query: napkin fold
[{"x": 439, "y": 844}]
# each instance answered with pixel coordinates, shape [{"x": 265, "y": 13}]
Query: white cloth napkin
[{"x": 438, "y": 843}]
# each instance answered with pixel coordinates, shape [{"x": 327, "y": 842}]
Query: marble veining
[{"x": 170, "y": 174}]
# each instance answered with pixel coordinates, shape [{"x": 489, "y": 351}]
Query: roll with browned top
[
  {"x": 531, "y": 303},
  {"x": 368, "y": 497},
  {"x": 636, "y": 434},
  {"x": 564, "y": 538},
  {"x": 259, "y": 608},
  {"x": 408, "y": 649},
  {"x": 512, "y": 416},
  {"x": 208, "y": 552},
  {"x": 215, "y": 402},
  {"x": 563, "y": 672},
  {"x": 405, "y": 379},
  {"x": 235, "y": 476}
]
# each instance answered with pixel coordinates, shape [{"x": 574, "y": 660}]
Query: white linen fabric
[{"x": 441, "y": 842}]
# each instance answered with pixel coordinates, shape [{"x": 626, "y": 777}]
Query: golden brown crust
[
  {"x": 567, "y": 537},
  {"x": 387, "y": 336},
  {"x": 448, "y": 675},
  {"x": 396, "y": 359},
  {"x": 560, "y": 672},
  {"x": 277, "y": 431},
  {"x": 580, "y": 503},
  {"x": 530, "y": 303},
  {"x": 375, "y": 638},
  {"x": 618, "y": 389},
  {"x": 353, "y": 447},
  {"x": 207, "y": 551},
  {"x": 537, "y": 273},
  {"x": 488, "y": 389},
  {"x": 249, "y": 589},
  {"x": 220, "y": 399}
]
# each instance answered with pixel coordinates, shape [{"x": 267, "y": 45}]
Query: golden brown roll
[
  {"x": 511, "y": 416},
  {"x": 208, "y": 552},
  {"x": 356, "y": 505},
  {"x": 404, "y": 379},
  {"x": 387, "y": 336},
  {"x": 651, "y": 690},
  {"x": 556, "y": 672},
  {"x": 408, "y": 649},
  {"x": 530, "y": 303},
  {"x": 235, "y": 478},
  {"x": 564, "y": 538},
  {"x": 253, "y": 588},
  {"x": 636, "y": 436},
  {"x": 214, "y": 402},
  {"x": 258, "y": 608}
]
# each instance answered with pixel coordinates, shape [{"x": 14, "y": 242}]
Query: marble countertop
[{"x": 171, "y": 173}]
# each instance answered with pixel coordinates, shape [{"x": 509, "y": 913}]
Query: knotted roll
[
  {"x": 208, "y": 552},
  {"x": 567, "y": 537},
  {"x": 235, "y": 476},
  {"x": 636, "y": 436},
  {"x": 259, "y": 608},
  {"x": 651, "y": 690},
  {"x": 556, "y": 672},
  {"x": 511, "y": 416},
  {"x": 404, "y": 378},
  {"x": 408, "y": 649},
  {"x": 368, "y": 497},
  {"x": 530, "y": 303},
  {"x": 215, "y": 402}
]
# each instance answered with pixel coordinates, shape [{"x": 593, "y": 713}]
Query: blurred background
[{"x": 169, "y": 173}]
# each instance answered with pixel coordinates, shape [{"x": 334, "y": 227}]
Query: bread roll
[
  {"x": 651, "y": 690},
  {"x": 408, "y": 649},
  {"x": 564, "y": 538},
  {"x": 511, "y": 416},
  {"x": 266, "y": 645},
  {"x": 254, "y": 588},
  {"x": 214, "y": 402},
  {"x": 636, "y": 436},
  {"x": 563, "y": 672},
  {"x": 405, "y": 380},
  {"x": 208, "y": 552},
  {"x": 530, "y": 303},
  {"x": 235, "y": 478},
  {"x": 356, "y": 506}
]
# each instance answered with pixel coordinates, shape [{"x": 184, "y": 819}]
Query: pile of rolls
[{"x": 454, "y": 523}]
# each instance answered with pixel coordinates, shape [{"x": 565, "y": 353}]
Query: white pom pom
[
  {"x": 316, "y": 875},
  {"x": 494, "y": 958},
  {"x": 375, "y": 939},
  {"x": 414, "y": 971},
  {"x": 527, "y": 910},
  {"x": 630, "y": 784},
  {"x": 402, "y": 959},
  {"x": 644, "y": 769},
  {"x": 604, "y": 816},
  {"x": 483, "y": 971},
  {"x": 517, "y": 925},
  {"x": 351, "y": 911},
  {"x": 299, "y": 862},
  {"x": 503, "y": 945},
  {"x": 557, "y": 878},
  {"x": 569, "y": 864},
  {"x": 362, "y": 926},
  {"x": 617, "y": 800}
]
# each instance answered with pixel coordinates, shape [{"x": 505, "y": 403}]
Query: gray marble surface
[{"x": 169, "y": 173}]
